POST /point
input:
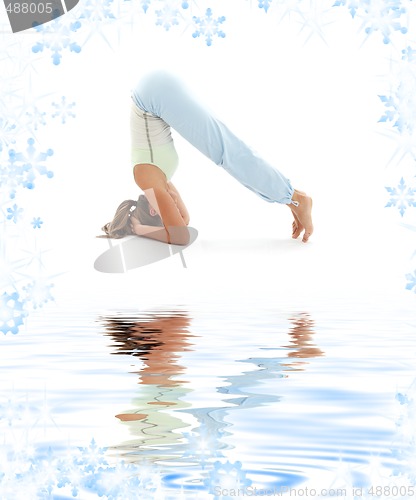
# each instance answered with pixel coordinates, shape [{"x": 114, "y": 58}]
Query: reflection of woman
[
  {"x": 157, "y": 340},
  {"x": 301, "y": 340},
  {"x": 159, "y": 103},
  {"x": 161, "y": 408}
]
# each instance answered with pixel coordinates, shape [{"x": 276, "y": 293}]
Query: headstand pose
[{"x": 159, "y": 103}]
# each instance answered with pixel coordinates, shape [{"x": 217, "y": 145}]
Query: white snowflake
[
  {"x": 92, "y": 458},
  {"x": 384, "y": 16},
  {"x": 12, "y": 409},
  {"x": 22, "y": 169},
  {"x": 227, "y": 477},
  {"x": 97, "y": 11},
  {"x": 313, "y": 20},
  {"x": 401, "y": 105},
  {"x": 124, "y": 482},
  {"x": 202, "y": 445},
  {"x": 405, "y": 144},
  {"x": 167, "y": 16},
  {"x": 97, "y": 14},
  {"x": 208, "y": 27},
  {"x": 38, "y": 292},
  {"x": 63, "y": 109},
  {"x": 405, "y": 444},
  {"x": 56, "y": 37},
  {"x": 35, "y": 117},
  {"x": 70, "y": 473}
]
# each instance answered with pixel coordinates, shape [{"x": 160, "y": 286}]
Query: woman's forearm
[
  {"x": 179, "y": 202},
  {"x": 173, "y": 234}
]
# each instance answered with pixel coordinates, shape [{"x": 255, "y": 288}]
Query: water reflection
[
  {"x": 301, "y": 341},
  {"x": 160, "y": 411},
  {"x": 157, "y": 339}
]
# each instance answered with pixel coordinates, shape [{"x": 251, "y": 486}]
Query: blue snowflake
[
  {"x": 37, "y": 222},
  {"x": 22, "y": 169},
  {"x": 92, "y": 458},
  {"x": 384, "y": 16},
  {"x": 264, "y": 4},
  {"x": 167, "y": 16},
  {"x": 411, "y": 278},
  {"x": 401, "y": 107},
  {"x": 402, "y": 398},
  {"x": 45, "y": 465},
  {"x": 57, "y": 36},
  {"x": 15, "y": 213},
  {"x": 389, "y": 114},
  {"x": 208, "y": 27},
  {"x": 227, "y": 477},
  {"x": 69, "y": 473},
  {"x": 145, "y": 5},
  {"x": 63, "y": 109},
  {"x": 11, "y": 313},
  {"x": 352, "y": 5},
  {"x": 401, "y": 197},
  {"x": 409, "y": 54}
]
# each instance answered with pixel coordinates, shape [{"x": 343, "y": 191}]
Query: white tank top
[{"x": 147, "y": 129}]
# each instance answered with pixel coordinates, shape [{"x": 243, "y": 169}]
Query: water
[
  {"x": 246, "y": 372},
  {"x": 216, "y": 395}
]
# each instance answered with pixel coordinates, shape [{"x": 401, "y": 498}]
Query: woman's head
[
  {"x": 140, "y": 209},
  {"x": 146, "y": 214}
]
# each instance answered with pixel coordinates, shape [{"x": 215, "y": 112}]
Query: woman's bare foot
[{"x": 302, "y": 213}]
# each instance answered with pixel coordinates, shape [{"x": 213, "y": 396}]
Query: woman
[{"x": 159, "y": 103}]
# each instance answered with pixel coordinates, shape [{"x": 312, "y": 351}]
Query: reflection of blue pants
[{"x": 164, "y": 96}]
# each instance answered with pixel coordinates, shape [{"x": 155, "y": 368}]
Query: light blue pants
[{"x": 166, "y": 97}]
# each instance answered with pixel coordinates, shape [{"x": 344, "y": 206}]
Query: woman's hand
[{"x": 135, "y": 225}]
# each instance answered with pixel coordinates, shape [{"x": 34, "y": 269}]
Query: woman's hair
[{"x": 140, "y": 209}]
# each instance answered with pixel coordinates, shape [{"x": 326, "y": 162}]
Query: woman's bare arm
[
  {"x": 179, "y": 202},
  {"x": 161, "y": 200},
  {"x": 154, "y": 232},
  {"x": 155, "y": 187}
]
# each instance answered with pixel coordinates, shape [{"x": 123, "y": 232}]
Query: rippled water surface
[{"x": 217, "y": 397}]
